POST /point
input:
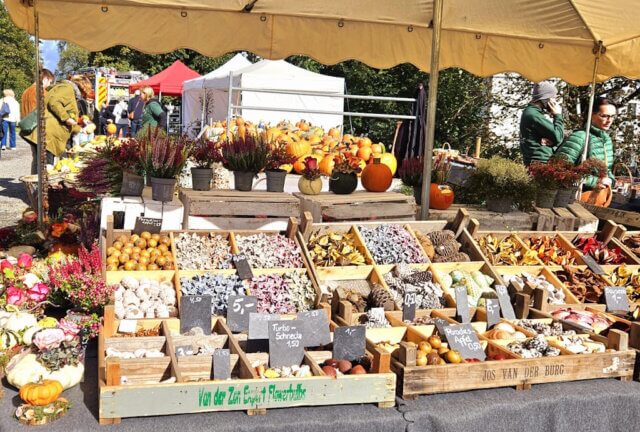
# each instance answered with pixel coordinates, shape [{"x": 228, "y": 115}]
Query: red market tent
[{"x": 169, "y": 81}]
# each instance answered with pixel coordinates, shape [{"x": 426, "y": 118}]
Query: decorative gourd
[
  {"x": 111, "y": 129},
  {"x": 41, "y": 393},
  {"x": 8, "y": 339},
  {"x": 440, "y": 196},
  {"x": 19, "y": 321},
  {"x": 390, "y": 160},
  {"x": 310, "y": 187},
  {"x": 27, "y": 369},
  {"x": 299, "y": 149},
  {"x": 376, "y": 177},
  {"x": 327, "y": 164}
]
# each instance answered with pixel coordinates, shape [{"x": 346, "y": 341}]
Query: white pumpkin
[
  {"x": 25, "y": 370},
  {"x": 19, "y": 321},
  {"x": 4, "y": 316},
  {"x": 28, "y": 334},
  {"x": 8, "y": 339}
]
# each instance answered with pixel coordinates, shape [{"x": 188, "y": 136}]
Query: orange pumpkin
[
  {"x": 298, "y": 165},
  {"x": 41, "y": 393},
  {"x": 440, "y": 196},
  {"x": 327, "y": 164},
  {"x": 364, "y": 153},
  {"x": 347, "y": 139},
  {"x": 377, "y": 148},
  {"x": 298, "y": 149},
  {"x": 353, "y": 149},
  {"x": 334, "y": 133},
  {"x": 600, "y": 197},
  {"x": 239, "y": 121},
  {"x": 376, "y": 177}
]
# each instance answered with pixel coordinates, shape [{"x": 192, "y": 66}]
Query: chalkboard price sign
[
  {"x": 616, "y": 298},
  {"x": 409, "y": 306},
  {"x": 493, "y": 311},
  {"x": 462, "y": 304},
  {"x": 593, "y": 265},
  {"x": 463, "y": 339},
  {"x": 221, "y": 364},
  {"x": 151, "y": 225},
  {"x": 440, "y": 325},
  {"x": 238, "y": 312},
  {"x": 316, "y": 328},
  {"x": 286, "y": 343},
  {"x": 349, "y": 342},
  {"x": 195, "y": 311},
  {"x": 242, "y": 266},
  {"x": 505, "y": 302},
  {"x": 258, "y": 325}
]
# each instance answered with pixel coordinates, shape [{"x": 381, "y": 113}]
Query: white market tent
[
  {"x": 274, "y": 75},
  {"x": 201, "y": 102}
]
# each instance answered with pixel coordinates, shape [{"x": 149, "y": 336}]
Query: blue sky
[{"x": 50, "y": 54}]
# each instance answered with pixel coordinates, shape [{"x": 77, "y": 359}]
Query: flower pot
[
  {"x": 565, "y": 197},
  {"x": 275, "y": 180},
  {"x": 201, "y": 178},
  {"x": 162, "y": 189},
  {"x": 546, "y": 197},
  {"x": 500, "y": 205},
  {"x": 440, "y": 196},
  {"x": 132, "y": 184},
  {"x": 310, "y": 187},
  {"x": 417, "y": 194},
  {"x": 343, "y": 184},
  {"x": 243, "y": 180}
]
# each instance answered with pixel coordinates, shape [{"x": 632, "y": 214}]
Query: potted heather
[
  {"x": 204, "y": 154},
  {"x": 246, "y": 157},
  {"x": 163, "y": 158},
  {"x": 544, "y": 176},
  {"x": 411, "y": 175},
  {"x": 568, "y": 179},
  {"x": 276, "y": 176},
  {"x": 127, "y": 157},
  {"x": 344, "y": 178},
  {"x": 501, "y": 183},
  {"x": 310, "y": 183}
]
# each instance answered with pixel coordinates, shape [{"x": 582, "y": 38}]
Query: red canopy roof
[{"x": 169, "y": 81}]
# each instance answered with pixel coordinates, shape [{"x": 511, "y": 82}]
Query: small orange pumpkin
[
  {"x": 440, "y": 196},
  {"x": 41, "y": 393},
  {"x": 364, "y": 153},
  {"x": 298, "y": 149},
  {"x": 327, "y": 164},
  {"x": 376, "y": 177}
]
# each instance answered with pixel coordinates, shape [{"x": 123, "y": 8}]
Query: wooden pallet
[
  {"x": 231, "y": 209},
  {"x": 358, "y": 206}
]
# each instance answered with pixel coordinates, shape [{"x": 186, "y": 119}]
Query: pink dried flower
[
  {"x": 15, "y": 296},
  {"x": 48, "y": 338},
  {"x": 69, "y": 328},
  {"x": 38, "y": 293}
]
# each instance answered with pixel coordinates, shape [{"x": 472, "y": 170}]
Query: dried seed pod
[
  {"x": 381, "y": 297},
  {"x": 391, "y": 244}
]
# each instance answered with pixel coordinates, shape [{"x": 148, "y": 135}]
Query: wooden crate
[
  {"x": 622, "y": 217},
  {"x": 231, "y": 209},
  {"x": 611, "y": 242},
  {"x": 500, "y": 235},
  {"x": 489, "y": 220},
  {"x": 358, "y": 206}
]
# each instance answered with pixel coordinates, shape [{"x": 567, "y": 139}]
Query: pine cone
[
  {"x": 381, "y": 297},
  {"x": 449, "y": 248},
  {"x": 456, "y": 257},
  {"x": 439, "y": 238}
]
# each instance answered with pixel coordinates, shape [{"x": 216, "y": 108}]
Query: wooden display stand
[
  {"x": 231, "y": 209},
  {"x": 358, "y": 206}
]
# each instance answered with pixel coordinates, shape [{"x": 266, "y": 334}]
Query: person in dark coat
[
  {"x": 136, "y": 109},
  {"x": 539, "y": 136}
]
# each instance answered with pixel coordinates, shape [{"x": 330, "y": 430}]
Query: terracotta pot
[
  {"x": 201, "y": 178},
  {"x": 310, "y": 187},
  {"x": 343, "y": 184}
]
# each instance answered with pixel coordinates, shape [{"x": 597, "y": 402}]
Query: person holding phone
[{"x": 540, "y": 136}]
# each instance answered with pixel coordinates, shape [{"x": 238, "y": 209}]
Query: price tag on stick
[
  {"x": 258, "y": 325},
  {"x": 505, "y": 302},
  {"x": 195, "y": 311},
  {"x": 409, "y": 306},
  {"x": 349, "y": 342},
  {"x": 286, "y": 343},
  {"x": 238, "y": 312},
  {"x": 616, "y": 298},
  {"x": 221, "y": 364},
  {"x": 462, "y": 304},
  {"x": 493, "y": 311},
  {"x": 151, "y": 225},
  {"x": 316, "y": 328},
  {"x": 464, "y": 339},
  {"x": 593, "y": 265},
  {"x": 242, "y": 266}
]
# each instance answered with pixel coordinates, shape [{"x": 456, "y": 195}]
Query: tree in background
[
  {"x": 17, "y": 56},
  {"x": 72, "y": 57}
]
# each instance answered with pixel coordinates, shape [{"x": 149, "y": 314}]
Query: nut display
[
  {"x": 584, "y": 284},
  {"x": 391, "y": 244},
  {"x": 580, "y": 345},
  {"x": 623, "y": 276},
  {"x": 288, "y": 293},
  {"x": 475, "y": 282},
  {"x": 202, "y": 251},
  {"x": 144, "y": 298},
  {"x": 504, "y": 330},
  {"x": 142, "y": 332},
  {"x": 589, "y": 320},
  {"x": 555, "y": 295},
  {"x": 335, "y": 367},
  {"x": 429, "y": 294},
  {"x": 140, "y": 252},
  {"x": 334, "y": 249},
  {"x": 544, "y": 329},
  {"x": 441, "y": 246},
  {"x": 598, "y": 250},
  {"x": 507, "y": 252},
  {"x": 423, "y": 320},
  {"x": 533, "y": 347},
  {"x": 381, "y": 297},
  {"x": 549, "y": 250},
  {"x": 633, "y": 243},
  {"x": 270, "y": 251},
  {"x": 219, "y": 287}
]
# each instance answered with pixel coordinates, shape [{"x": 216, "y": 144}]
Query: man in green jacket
[
  {"x": 600, "y": 145},
  {"x": 538, "y": 135}
]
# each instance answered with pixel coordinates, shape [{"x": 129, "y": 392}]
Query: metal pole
[
  {"x": 311, "y": 111},
  {"x": 325, "y": 94},
  {"x": 431, "y": 107},
  {"x": 229, "y": 104},
  {"x": 40, "y": 146}
]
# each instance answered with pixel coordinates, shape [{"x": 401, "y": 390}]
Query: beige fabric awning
[{"x": 539, "y": 39}]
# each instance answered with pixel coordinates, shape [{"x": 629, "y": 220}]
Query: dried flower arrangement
[{"x": 311, "y": 170}]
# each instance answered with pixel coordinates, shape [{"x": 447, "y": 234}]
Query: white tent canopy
[
  {"x": 276, "y": 75},
  {"x": 198, "y": 91}
]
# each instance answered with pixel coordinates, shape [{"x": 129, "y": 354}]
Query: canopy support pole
[
  {"x": 40, "y": 146},
  {"x": 229, "y": 104},
  {"x": 597, "y": 50},
  {"x": 431, "y": 107}
]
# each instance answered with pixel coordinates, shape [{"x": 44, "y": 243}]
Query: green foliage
[
  {"x": 72, "y": 58},
  {"x": 497, "y": 178},
  {"x": 17, "y": 56}
]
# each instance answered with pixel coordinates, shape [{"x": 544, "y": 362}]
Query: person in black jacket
[{"x": 136, "y": 108}]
